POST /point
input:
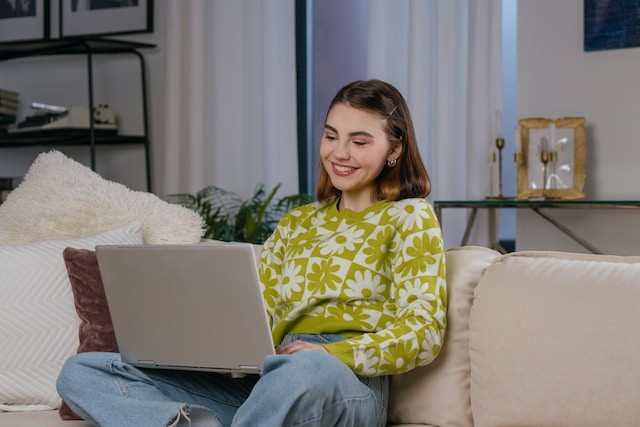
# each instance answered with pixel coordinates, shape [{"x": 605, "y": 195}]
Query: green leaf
[{"x": 227, "y": 217}]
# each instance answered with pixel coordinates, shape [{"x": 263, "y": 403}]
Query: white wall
[
  {"x": 63, "y": 81},
  {"x": 557, "y": 78}
]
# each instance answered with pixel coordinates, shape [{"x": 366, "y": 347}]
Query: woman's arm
[{"x": 416, "y": 335}]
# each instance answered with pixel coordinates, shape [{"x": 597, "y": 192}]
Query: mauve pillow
[{"x": 96, "y": 330}]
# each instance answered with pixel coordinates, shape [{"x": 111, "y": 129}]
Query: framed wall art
[
  {"x": 105, "y": 17},
  {"x": 611, "y": 24},
  {"x": 552, "y": 158},
  {"x": 24, "y": 20}
]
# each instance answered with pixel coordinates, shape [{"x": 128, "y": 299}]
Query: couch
[{"x": 534, "y": 339}]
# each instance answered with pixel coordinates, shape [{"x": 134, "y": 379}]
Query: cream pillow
[
  {"x": 38, "y": 320},
  {"x": 438, "y": 394},
  {"x": 554, "y": 341},
  {"x": 60, "y": 197}
]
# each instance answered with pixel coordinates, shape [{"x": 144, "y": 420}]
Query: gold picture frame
[{"x": 550, "y": 157}]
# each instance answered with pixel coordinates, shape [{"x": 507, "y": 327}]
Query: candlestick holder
[
  {"x": 497, "y": 157},
  {"x": 500, "y": 146},
  {"x": 544, "y": 159}
]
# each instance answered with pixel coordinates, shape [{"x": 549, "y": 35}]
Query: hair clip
[{"x": 392, "y": 111}]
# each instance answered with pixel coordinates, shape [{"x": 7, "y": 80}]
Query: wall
[
  {"x": 556, "y": 78},
  {"x": 63, "y": 81}
]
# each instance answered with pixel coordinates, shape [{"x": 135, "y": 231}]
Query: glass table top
[{"x": 533, "y": 203}]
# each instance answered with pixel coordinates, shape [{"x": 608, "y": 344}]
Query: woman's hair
[{"x": 408, "y": 178}]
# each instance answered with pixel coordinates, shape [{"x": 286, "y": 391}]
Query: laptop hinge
[{"x": 249, "y": 369}]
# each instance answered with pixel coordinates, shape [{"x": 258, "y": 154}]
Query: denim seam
[
  {"x": 198, "y": 392},
  {"x": 340, "y": 402},
  {"x": 119, "y": 384}
]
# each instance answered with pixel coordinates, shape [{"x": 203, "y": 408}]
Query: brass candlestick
[
  {"x": 544, "y": 159},
  {"x": 500, "y": 146}
]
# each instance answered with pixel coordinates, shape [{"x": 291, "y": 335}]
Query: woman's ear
[{"x": 396, "y": 150}]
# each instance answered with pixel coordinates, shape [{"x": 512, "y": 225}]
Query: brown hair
[{"x": 409, "y": 177}]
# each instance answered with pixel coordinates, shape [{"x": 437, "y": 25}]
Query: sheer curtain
[
  {"x": 230, "y": 115},
  {"x": 445, "y": 56},
  {"x": 231, "y": 110}
]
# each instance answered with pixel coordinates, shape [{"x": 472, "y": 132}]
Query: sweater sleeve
[
  {"x": 416, "y": 334},
  {"x": 270, "y": 269}
]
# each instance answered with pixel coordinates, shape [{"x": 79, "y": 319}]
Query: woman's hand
[{"x": 296, "y": 346}]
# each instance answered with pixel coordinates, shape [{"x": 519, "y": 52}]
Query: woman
[{"x": 354, "y": 286}]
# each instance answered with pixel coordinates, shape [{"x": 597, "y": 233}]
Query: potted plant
[{"x": 230, "y": 218}]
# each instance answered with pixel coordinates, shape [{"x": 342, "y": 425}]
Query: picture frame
[
  {"x": 104, "y": 17},
  {"x": 550, "y": 157},
  {"x": 610, "y": 25},
  {"x": 22, "y": 25}
]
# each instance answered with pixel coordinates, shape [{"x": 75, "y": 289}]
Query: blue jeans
[{"x": 309, "y": 388}]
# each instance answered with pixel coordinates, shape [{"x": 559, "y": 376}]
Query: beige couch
[{"x": 534, "y": 339}]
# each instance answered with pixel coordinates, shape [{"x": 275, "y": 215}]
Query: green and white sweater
[{"x": 376, "y": 277}]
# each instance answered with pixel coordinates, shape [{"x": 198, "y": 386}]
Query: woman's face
[{"x": 354, "y": 150}]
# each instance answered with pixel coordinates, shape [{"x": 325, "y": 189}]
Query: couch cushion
[
  {"x": 61, "y": 198},
  {"x": 438, "y": 394},
  {"x": 96, "y": 329},
  {"x": 37, "y": 419},
  {"x": 554, "y": 341},
  {"x": 38, "y": 321}
]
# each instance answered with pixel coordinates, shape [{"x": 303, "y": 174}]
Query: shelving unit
[{"x": 90, "y": 137}]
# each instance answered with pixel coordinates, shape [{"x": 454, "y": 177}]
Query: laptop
[{"x": 192, "y": 307}]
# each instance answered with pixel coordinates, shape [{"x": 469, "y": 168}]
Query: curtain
[
  {"x": 230, "y": 118},
  {"x": 445, "y": 57},
  {"x": 230, "y": 115}
]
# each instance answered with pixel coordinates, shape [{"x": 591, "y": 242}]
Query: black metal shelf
[
  {"x": 90, "y": 137},
  {"x": 68, "y": 46},
  {"x": 61, "y": 137}
]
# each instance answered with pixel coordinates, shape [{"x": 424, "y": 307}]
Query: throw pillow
[
  {"x": 38, "y": 321},
  {"x": 96, "y": 330},
  {"x": 61, "y": 198}
]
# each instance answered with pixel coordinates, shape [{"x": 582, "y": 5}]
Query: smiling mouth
[{"x": 342, "y": 170}]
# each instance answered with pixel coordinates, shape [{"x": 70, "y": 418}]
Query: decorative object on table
[
  {"x": 103, "y": 18},
  {"x": 230, "y": 218},
  {"x": 611, "y": 25},
  {"x": 24, "y": 20},
  {"x": 550, "y": 157},
  {"x": 495, "y": 160},
  {"x": 48, "y": 117}
]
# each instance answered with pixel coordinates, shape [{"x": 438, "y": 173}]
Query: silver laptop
[{"x": 192, "y": 307}]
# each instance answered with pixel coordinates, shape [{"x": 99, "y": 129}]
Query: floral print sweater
[{"x": 376, "y": 277}]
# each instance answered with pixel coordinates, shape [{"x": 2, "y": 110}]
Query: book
[
  {"x": 9, "y": 102},
  {"x": 8, "y": 94},
  {"x": 9, "y": 111}
]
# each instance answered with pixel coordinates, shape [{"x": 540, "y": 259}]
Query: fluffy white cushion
[
  {"x": 38, "y": 320},
  {"x": 60, "y": 197}
]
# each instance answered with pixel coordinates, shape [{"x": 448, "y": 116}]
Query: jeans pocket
[{"x": 379, "y": 386}]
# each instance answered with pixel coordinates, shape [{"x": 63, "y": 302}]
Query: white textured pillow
[
  {"x": 38, "y": 320},
  {"x": 60, "y": 197}
]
